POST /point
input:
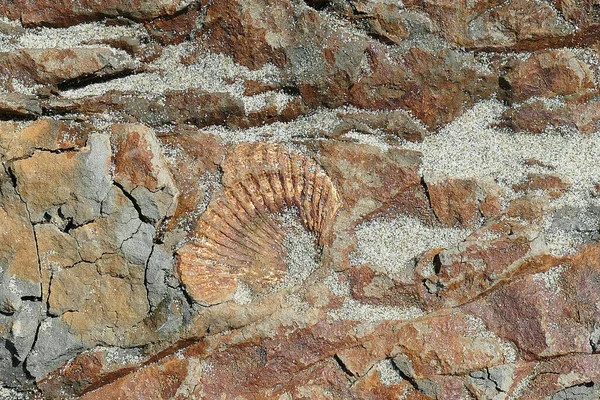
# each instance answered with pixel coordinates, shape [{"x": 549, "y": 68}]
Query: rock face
[{"x": 275, "y": 199}]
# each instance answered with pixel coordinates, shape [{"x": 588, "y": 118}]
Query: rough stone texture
[
  {"x": 63, "y": 13},
  {"x": 276, "y": 199},
  {"x": 60, "y": 66}
]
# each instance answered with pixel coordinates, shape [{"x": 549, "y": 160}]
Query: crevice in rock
[
  {"x": 134, "y": 202},
  {"x": 343, "y": 367},
  {"x": 426, "y": 191},
  {"x": 412, "y": 381},
  {"x": 146, "y": 277},
  {"x": 90, "y": 79}
]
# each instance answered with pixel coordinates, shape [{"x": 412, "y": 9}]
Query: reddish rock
[
  {"x": 460, "y": 274},
  {"x": 383, "y": 20},
  {"x": 140, "y": 169},
  {"x": 551, "y": 183},
  {"x": 448, "y": 343},
  {"x": 424, "y": 82},
  {"x": 253, "y": 33},
  {"x": 546, "y": 74},
  {"x": 529, "y": 208},
  {"x": 59, "y": 66},
  {"x": 194, "y": 160},
  {"x": 44, "y": 134},
  {"x": 581, "y": 114},
  {"x": 174, "y": 29},
  {"x": 371, "y": 179},
  {"x": 201, "y": 108},
  {"x": 398, "y": 123},
  {"x": 63, "y": 13},
  {"x": 271, "y": 113},
  {"x": 462, "y": 202},
  {"x": 89, "y": 370},
  {"x": 372, "y": 287},
  {"x": 550, "y": 313}
]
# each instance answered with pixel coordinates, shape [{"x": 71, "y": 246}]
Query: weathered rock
[
  {"x": 19, "y": 269},
  {"x": 142, "y": 173},
  {"x": 253, "y": 33},
  {"x": 62, "y": 13},
  {"x": 398, "y": 123},
  {"x": 537, "y": 116},
  {"x": 62, "y": 66},
  {"x": 174, "y": 29},
  {"x": 19, "y": 104},
  {"x": 69, "y": 184},
  {"x": 44, "y": 134},
  {"x": 55, "y": 344},
  {"x": 546, "y": 74},
  {"x": 462, "y": 202},
  {"x": 522, "y": 313},
  {"x": 458, "y": 275}
]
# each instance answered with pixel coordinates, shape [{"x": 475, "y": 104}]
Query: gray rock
[
  {"x": 19, "y": 104},
  {"x": 585, "y": 391},
  {"x": 24, "y": 327},
  {"x": 159, "y": 263},
  {"x": 54, "y": 346},
  {"x": 12, "y": 373},
  {"x": 138, "y": 247}
]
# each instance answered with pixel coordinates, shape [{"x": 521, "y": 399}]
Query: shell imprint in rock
[{"x": 240, "y": 236}]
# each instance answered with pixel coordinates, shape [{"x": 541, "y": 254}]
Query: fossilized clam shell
[{"x": 240, "y": 237}]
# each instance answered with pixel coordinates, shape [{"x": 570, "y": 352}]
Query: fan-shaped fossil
[{"x": 240, "y": 237}]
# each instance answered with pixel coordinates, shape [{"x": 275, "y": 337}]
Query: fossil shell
[{"x": 240, "y": 235}]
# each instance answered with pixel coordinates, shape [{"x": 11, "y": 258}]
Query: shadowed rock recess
[{"x": 299, "y": 199}]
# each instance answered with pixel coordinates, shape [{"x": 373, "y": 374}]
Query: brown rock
[
  {"x": 194, "y": 160},
  {"x": 549, "y": 313},
  {"x": 62, "y": 12},
  {"x": 552, "y": 183},
  {"x": 546, "y": 74},
  {"x": 271, "y": 113},
  {"x": 427, "y": 83},
  {"x": 253, "y": 33},
  {"x": 372, "y": 287},
  {"x": 159, "y": 381},
  {"x": 60, "y": 66},
  {"x": 462, "y": 202},
  {"x": 142, "y": 172},
  {"x": 49, "y": 182},
  {"x": 398, "y": 123},
  {"x": 89, "y": 370},
  {"x": 45, "y": 134},
  {"x": 384, "y": 20},
  {"x": 202, "y": 109},
  {"x": 371, "y": 179},
  {"x": 460, "y": 274},
  {"x": 18, "y": 253},
  {"x": 451, "y": 342},
  {"x": 19, "y": 104},
  {"x": 535, "y": 117},
  {"x": 174, "y": 29}
]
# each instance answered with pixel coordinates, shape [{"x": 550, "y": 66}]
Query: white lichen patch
[
  {"x": 391, "y": 245},
  {"x": 79, "y": 35},
  {"x": 388, "y": 375},
  {"x": 551, "y": 278}
]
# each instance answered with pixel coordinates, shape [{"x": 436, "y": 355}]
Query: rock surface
[{"x": 276, "y": 199}]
